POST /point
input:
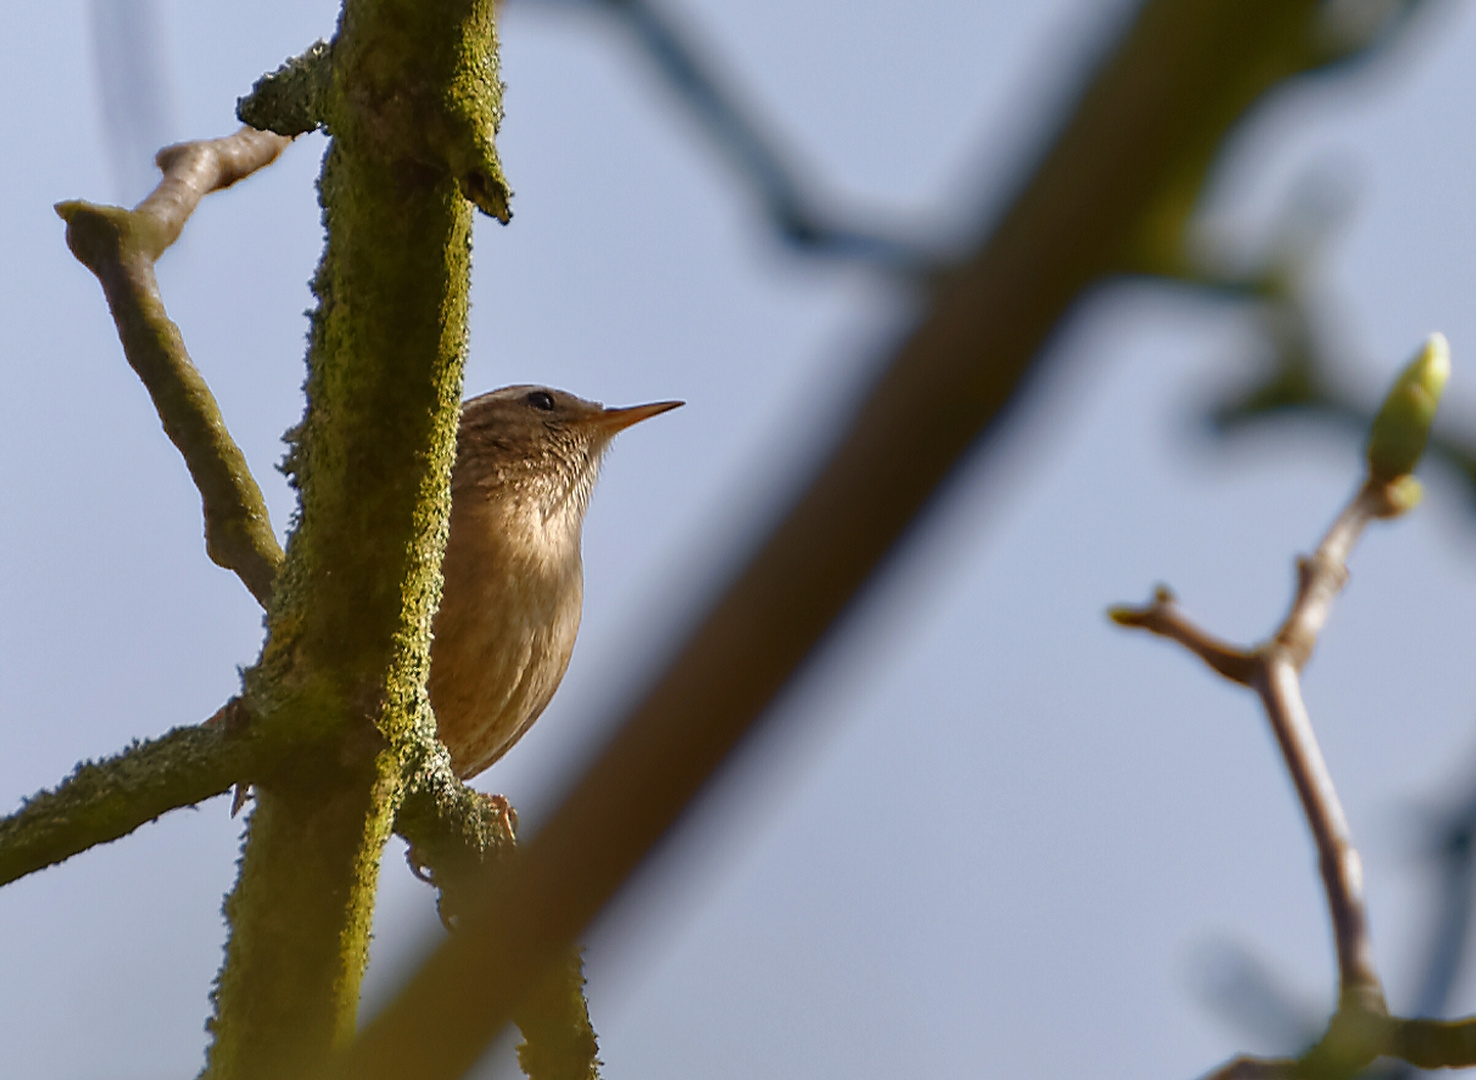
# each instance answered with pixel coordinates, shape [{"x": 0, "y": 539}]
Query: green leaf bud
[
  {"x": 1399, "y": 433},
  {"x": 1401, "y": 495}
]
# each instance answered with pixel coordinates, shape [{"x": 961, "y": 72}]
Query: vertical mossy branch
[{"x": 412, "y": 102}]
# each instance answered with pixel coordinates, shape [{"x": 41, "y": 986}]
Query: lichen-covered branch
[
  {"x": 291, "y": 100},
  {"x": 120, "y": 247},
  {"x": 453, "y": 832},
  {"x": 411, "y": 99},
  {"x": 558, "y": 1040},
  {"x": 456, "y": 836},
  {"x": 104, "y": 800}
]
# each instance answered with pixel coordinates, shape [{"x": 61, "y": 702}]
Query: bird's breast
[{"x": 510, "y": 609}]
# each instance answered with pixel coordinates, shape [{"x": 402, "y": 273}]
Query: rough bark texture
[{"x": 412, "y": 106}]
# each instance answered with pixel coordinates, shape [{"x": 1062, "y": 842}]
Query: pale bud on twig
[{"x": 1398, "y": 435}]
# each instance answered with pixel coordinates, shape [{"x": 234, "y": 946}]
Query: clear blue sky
[{"x": 988, "y": 835}]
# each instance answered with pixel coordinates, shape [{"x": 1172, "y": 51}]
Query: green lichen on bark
[
  {"x": 290, "y": 100},
  {"x": 104, "y": 800},
  {"x": 558, "y": 1041},
  {"x": 412, "y": 105}
]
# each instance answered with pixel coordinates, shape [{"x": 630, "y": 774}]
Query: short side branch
[
  {"x": 120, "y": 247},
  {"x": 1164, "y": 618},
  {"x": 290, "y": 100},
  {"x": 105, "y": 800}
]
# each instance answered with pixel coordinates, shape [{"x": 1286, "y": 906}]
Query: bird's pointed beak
[{"x": 610, "y": 421}]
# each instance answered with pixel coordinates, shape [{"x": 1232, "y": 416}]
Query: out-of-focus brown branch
[
  {"x": 105, "y": 800},
  {"x": 1129, "y": 160},
  {"x": 120, "y": 247},
  {"x": 1249, "y": 1068}
]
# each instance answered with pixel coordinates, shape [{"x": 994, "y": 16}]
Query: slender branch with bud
[{"x": 1361, "y": 1028}]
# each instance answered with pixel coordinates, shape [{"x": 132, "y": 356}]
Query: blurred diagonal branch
[
  {"x": 133, "y": 91},
  {"x": 1139, "y": 139},
  {"x": 120, "y": 247},
  {"x": 800, "y": 213}
]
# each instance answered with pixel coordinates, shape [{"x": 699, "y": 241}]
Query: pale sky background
[{"x": 988, "y": 835}]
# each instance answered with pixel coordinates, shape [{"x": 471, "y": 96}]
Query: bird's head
[{"x": 539, "y": 447}]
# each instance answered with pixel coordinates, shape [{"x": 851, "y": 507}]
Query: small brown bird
[{"x": 526, "y": 462}]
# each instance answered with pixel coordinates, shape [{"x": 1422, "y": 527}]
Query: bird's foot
[
  {"x": 504, "y": 810},
  {"x": 418, "y": 866}
]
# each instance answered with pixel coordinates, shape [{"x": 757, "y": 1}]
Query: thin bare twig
[
  {"x": 1273, "y": 671},
  {"x": 1164, "y": 618},
  {"x": 1342, "y": 871},
  {"x": 120, "y": 247},
  {"x": 1321, "y": 577}
]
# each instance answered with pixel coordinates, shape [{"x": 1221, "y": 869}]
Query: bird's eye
[{"x": 541, "y": 399}]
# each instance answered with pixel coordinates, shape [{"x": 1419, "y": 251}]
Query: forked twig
[
  {"x": 1273, "y": 670},
  {"x": 120, "y": 246},
  {"x": 1361, "y": 1029}
]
